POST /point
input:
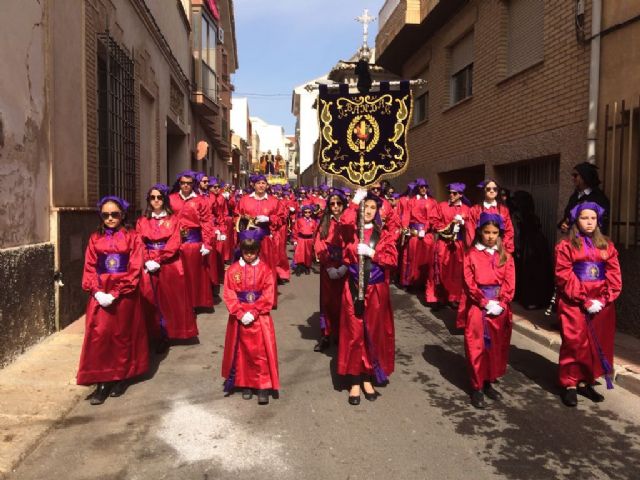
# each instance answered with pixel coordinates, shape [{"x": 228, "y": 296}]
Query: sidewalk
[
  {"x": 37, "y": 390},
  {"x": 544, "y": 330}
]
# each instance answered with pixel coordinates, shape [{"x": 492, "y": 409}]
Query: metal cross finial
[{"x": 365, "y": 19}]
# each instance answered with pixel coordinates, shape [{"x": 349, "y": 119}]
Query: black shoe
[
  {"x": 247, "y": 394},
  {"x": 371, "y": 396},
  {"x": 589, "y": 392},
  {"x": 307, "y": 271},
  {"x": 162, "y": 346},
  {"x": 322, "y": 344},
  {"x": 263, "y": 397},
  {"x": 119, "y": 388},
  {"x": 477, "y": 399},
  {"x": 354, "y": 400},
  {"x": 101, "y": 393},
  {"x": 491, "y": 392},
  {"x": 570, "y": 397}
]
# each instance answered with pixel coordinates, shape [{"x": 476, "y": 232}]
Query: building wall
[
  {"x": 538, "y": 112},
  {"x": 308, "y": 125}
]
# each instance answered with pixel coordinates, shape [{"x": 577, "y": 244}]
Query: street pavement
[{"x": 177, "y": 424}]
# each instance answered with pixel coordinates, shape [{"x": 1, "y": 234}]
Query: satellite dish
[{"x": 201, "y": 150}]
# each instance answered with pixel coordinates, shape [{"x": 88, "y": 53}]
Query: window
[
  {"x": 116, "y": 121},
  {"x": 421, "y": 108},
  {"x": 525, "y": 36},
  {"x": 205, "y": 51},
  {"x": 461, "y": 68}
]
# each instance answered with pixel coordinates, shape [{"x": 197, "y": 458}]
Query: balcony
[{"x": 406, "y": 25}]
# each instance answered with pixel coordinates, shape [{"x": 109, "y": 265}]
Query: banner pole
[{"x": 361, "y": 291}]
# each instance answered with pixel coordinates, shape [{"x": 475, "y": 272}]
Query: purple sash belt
[
  {"x": 249, "y": 296},
  {"x": 376, "y": 275},
  {"x": 490, "y": 292},
  {"x": 416, "y": 226},
  {"x": 191, "y": 235},
  {"x": 155, "y": 245},
  {"x": 589, "y": 271},
  {"x": 113, "y": 263},
  {"x": 304, "y": 235},
  {"x": 335, "y": 253}
]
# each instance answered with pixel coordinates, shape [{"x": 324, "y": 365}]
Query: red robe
[
  {"x": 194, "y": 213},
  {"x": 219, "y": 212},
  {"x": 329, "y": 253},
  {"x": 474, "y": 216},
  {"x": 230, "y": 244},
  {"x": 165, "y": 291},
  {"x": 355, "y": 356},
  {"x": 280, "y": 236},
  {"x": 420, "y": 214},
  {"x": 251, "y": 206},
  {"x": 482, "y": 268},
  {"x": 253, "y": 345},
  {"x": 115, "y": 338},
  {"x": 579, "y": 358},
  {"x": 449, "y": 256},
  {"x": 303, "y": 232}
]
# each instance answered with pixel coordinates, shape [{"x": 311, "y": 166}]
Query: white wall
[
  {"x": 240, "y": 117},
  {"x": 272, "y": 137}
]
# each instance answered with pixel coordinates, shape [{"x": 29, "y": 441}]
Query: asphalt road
[{"x": 177, "y": 424}]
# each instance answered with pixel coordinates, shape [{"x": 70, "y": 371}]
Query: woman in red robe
[
  {"x": 588, "y": 281},
  {"x": 163, "y": 284},
  {"x": 115, "y": 338},
  {"x": 196, "y": 233},
  {"x": 250, "y": 354},
  {"x": 219, "y": 210},
  {"x": 366, "y": 346},
  {"x": 328, "y": 248},
  {"x": 489, "y": 282},
  {"x": 418, "y": 218},
  {"x": 490, "y": 204},
  {"x": 450, "y": 247},
  {"x": 303, "y": 232},
  {"x": 263, "y": 208}
]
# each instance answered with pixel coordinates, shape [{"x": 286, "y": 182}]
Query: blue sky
[{"x": 284, "y": 43}]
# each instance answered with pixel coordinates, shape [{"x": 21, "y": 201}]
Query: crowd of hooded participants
[{"x": 202, "y": 238}]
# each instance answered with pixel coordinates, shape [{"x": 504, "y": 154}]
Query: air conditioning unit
[{"x": 221, "y": 35}]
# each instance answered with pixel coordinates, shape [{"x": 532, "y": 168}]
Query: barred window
[
  {"x": 525, "y": 37},
  {"x": 461, "y": 68},
  {"x": 421, "y": 108},
  {"x": 116, "y": 121}
]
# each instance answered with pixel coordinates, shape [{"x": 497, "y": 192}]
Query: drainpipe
[{"x": 594, "y": 80}]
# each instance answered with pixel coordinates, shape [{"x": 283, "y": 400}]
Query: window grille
[
  {"x": 116, "y": 121},
  {"x": 421, "y": 108},
  {"x": 461, "y": 68}
]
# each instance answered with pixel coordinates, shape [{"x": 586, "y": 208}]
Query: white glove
[
  {"x": 333, "y": 273},
  {"x": 104, "y": 299},
  {"x": 262, "y": 219},
  {"x": 595, "y": 306},
  {"x": 295, "y": 243},
  {"x": 225, "y": 195},
  {"x": 204, "y": 250},
  {"x": 217, "y": 233},
  {"x": 456, "y": 228},
  {"x": 342, "y": 270},
  {"x": 222, "y": 237},
  {"x": 364, "y": 249},
  {"x": 493, "y": 308},
  {"x": 458, "y": 218},
  {"x": 247, "y": 318},
  {"x": 360, "y": 195},
  {"x": 421, "y": 233},
  {"x": 291, "y": 209},
  {"x": 151, "y": 266}
]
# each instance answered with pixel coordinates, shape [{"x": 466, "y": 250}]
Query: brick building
[{"x": 97, "y": 97}]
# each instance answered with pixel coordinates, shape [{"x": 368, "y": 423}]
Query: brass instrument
[
  {"x": 245, "y": 222},
  {"x": 448, "y": 234}
]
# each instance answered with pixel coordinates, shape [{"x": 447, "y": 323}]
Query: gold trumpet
[
  {"x": 245, "y": 222},
  {"x": 448, "y": 234}
]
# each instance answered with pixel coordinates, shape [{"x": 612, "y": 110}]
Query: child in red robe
[
  {"x": 489, "y": 283},
  {"x": 588, "y": 280},
  {"x": 250, "y": 354},
  {"x": 115, "y": 338},
  {"x": 303, "y": 232}
]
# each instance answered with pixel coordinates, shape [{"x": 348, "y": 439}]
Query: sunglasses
[
  {"x": 375, "y": 188},
  {"x": 454, "y": 193},
  {"x": 106, "y": 215},
  {"x": 186, "y": 183},
  {"x": 155, "y": 197},
  {"x": 574, "y": 175},
  {"x": 335, "y": 203},
  {"x": 491, "y": 189}
]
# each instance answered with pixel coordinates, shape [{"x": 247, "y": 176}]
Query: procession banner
[{"x": 363, "y": 137}]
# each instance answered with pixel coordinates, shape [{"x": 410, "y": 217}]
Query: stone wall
[{"x": 27, "y": 305}]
